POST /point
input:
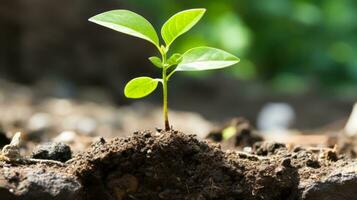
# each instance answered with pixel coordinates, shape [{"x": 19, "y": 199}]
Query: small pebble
[
  {"x": 331, "y": 155},
  {"x": 286, "y": 162},
  {"x": 52, "y": 151},
  {"x": 280, "y": 171},
  {"x": 39, "y": 121},
  {"x": 86, "y": 125},
  {"x": 4, "y": 140},
  {"x": 297, "y": 149},
  {"x": 313, "y": 163},
  {"x": 66, "y": 137},
  {"x": 248, "y": 149},
  {"x": 98, "y": 142}
]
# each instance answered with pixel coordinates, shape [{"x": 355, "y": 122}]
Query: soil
[
  {"x": 347, "y": 145},
  {"x": 245, "y": 135},
  {"x": 173, "y": 165},
  {"x": 38, "y": 181}
]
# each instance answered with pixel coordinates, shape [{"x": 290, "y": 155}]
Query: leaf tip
[
  {"x": 91, "y": 19},
  {"x": 236, "y": 59},
  {"x": 203, "y": 10}
]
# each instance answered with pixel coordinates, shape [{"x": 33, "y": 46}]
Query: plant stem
[
  {"x": 170, "y": 74},
  {"x": 165, "y": 102}
]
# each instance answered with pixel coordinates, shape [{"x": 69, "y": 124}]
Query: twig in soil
[{"x": 42, "y": 161}]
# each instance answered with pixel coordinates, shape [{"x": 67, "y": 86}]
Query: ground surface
[
  {"x": 161, "y": 165},
  {"x": 173, "y": 165}
]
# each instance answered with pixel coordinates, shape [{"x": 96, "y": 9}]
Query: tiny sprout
[{"x": 196, "y": 59}]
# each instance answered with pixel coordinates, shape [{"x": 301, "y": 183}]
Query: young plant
[{"x": 196, "y": 59}]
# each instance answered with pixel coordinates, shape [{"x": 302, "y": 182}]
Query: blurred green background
[
  {"x": 301, "y": 52},
  {"x": 293, "y": 45}
]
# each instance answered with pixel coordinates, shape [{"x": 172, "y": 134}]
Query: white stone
[
  {"x": 351, "y": 126},
  {"x": 65, "y": 137},
  {"x": 275, "y": 117}
]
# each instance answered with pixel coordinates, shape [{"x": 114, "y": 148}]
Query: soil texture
[{"x": 172, "y": 165}]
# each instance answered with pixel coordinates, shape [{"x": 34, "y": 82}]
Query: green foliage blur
[{"x": 295, "y": 45}]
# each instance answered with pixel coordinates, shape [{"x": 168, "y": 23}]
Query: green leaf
[
  {"x": 174, "y": 59},
  {"x": 180, "y": 23},
  {"x": 229, "y": 132},
  {"x": 127, "y": 22},
  {"x": 156, "y": 61},
  {"x": 205, "y": 58},
  {"x": 140, "y": 87}
]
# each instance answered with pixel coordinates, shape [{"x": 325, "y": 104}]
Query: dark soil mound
[{"x": 172, "y": 165}]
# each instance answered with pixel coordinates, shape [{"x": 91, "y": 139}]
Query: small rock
[
  {"x": 286, "y": 162},
  {"x": 313, "y": 163},
  {"x": 66, "y": 137},
  {"x": 267, "y": 148},
  {"x": 39, "y": 121},
  {"x": 351, "y": 126},
  {"x": 297, "y": 149},
  {"x": 340, "y": 184},
  {"x": 158, "y": 129},
  {"x": 276, "y": 117},
  {"x": 86, "y": 125},
  {"x": 98, "y": 142},
  {"x": 52, "y": 151},
  {"x": 248, "y": 149},
  {"x": 280, "y": 171},
  {"x": 215, "y": 135},
  {"x": 40, "y": 184},
  {"x": 38, "y": 125},
  {"x": 4, "y": 140},
  {"x": 331, "y": 155}
]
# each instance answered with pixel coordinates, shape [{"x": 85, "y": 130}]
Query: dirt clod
[
  {"x": 340, "y": 184},
  {"x": 331, "y": 155},
  {"x": 313, "y": 163},
  {"x": 37, "y": 182},
  {"x": 4, "y": 140},
  {"x": 267, "y": 148},
  {"x": 286, "y": 162},
  {"x": 52, "y": 151}
]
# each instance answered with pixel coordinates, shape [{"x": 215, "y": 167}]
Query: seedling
[{"x": 196, "y": 59}]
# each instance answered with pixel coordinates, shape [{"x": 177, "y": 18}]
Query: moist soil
[{"x": 173, "y": 165}]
